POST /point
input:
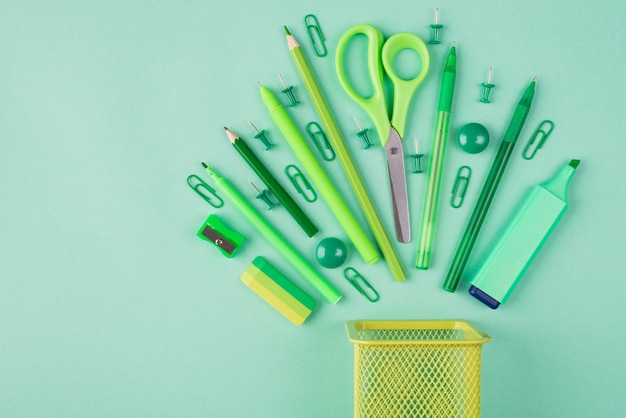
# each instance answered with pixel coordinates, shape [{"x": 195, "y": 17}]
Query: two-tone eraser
[{"x": 277, "y": 290}]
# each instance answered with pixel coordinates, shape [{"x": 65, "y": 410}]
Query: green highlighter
[{"x": 522, "y": 240}]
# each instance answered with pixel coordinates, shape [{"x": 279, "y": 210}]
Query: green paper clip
[
  {"x": 321, "y": 141},
  {"x": 316, "y": 35},
  {"x": 226, "y": 240},
  {"x": 300, "y": 183},
  {"x": 211, "y": 196},
  {"x": 460, "y": 186},
  {"x": 539, "y": 137},
  {"x": 354, "y": 277}
]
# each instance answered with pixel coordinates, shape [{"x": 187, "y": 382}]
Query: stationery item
[
  {"x": 362, "y": 134},
  {"x": 260, "y": 135},
  {"x": 435, "y": 29},
  {"x": 272, "y": 183},
  {"x": 380, "y": 56},
  {"x": 321, "y": 141},
  {"x": 274, "y": 238},
  {"x": 264, "y": 196},
  {"x": 300, "y": 183},
  {"x": 473, "y": 138},
  {"x": 489, "y": 189},
  {"x": 328, "y": 122},
  {"x": 225, "y": 239},
  {"x": 436, "y": 161},
  {"x": 487, "y": 87},
  {"x": 316, "y": 35},
  {"x": 522, "y": 240},
  {"x": 205, "y": 191},
  {"x": 331, "y": 252},
  {"x": 277, "y": 290},
  {"x": 360, "y": 284},
  {"x": 288, "y": 91},
  {"x": 417, "y": 160},
  {"x": 461, "y": 182},
  {"x": 324, "y": 185},
  {"x": 538, "y": 138}
]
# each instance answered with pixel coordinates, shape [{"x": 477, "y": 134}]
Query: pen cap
[{"x": 522, "y": 240}]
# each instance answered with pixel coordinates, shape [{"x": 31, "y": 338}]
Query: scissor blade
[{"x": 397, "y": 183}]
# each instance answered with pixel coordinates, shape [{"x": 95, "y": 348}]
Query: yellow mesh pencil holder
[{"x": 416, "y": 368}]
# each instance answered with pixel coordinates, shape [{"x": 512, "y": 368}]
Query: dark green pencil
[{"x": 270, "y": 181}]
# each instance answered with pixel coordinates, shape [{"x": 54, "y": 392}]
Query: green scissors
[{"x": 380, "y": 55}]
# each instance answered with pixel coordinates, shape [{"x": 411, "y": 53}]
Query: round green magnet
[
  {"x": 473, "y": 138},
  {"x": 331, "y": 252}
]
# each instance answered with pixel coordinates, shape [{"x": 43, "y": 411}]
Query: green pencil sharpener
[{"x": 225, "y": 239}]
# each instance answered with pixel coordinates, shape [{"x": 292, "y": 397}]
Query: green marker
[
  {"x": 274, "y": 238},
  {"x": 319, "y": 177},
  {"x": 523, "y": 239},
  {"x": 489, "y": 189},
  {"x": 336, "y": 140},
  {"x": 436, "y": 162}
]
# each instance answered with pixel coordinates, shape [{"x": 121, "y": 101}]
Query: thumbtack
[
  {"x": 362, "y": 134},
  {"x": 288, "y": 91},
  {"x": 261, "y": 136},
  {"x": 417, "y": 160},
  {"x": 487, "y": 87},
  {"x": 435, "y": 29},
  {"x": 264, "y": 196}
]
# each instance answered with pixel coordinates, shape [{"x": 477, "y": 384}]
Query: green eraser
[{"x": 277, "y": 290}]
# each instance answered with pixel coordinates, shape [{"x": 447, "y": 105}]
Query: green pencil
[
  {"x": 274, "y": 238},
  {"x": 343, "y": 155},
  {"x": 272, "y": 183}
]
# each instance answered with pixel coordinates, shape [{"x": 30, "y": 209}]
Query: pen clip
[
  {"x": 210, "y": 196},
  {"x": 360, "y": 284},
  {"x": 300, "y": 183},
  {"x": 460, "y": 186},
  {"x": 321, "y": 141},
  {"x": 316, "y": 35},
  {"x": 539, "y": 137}
]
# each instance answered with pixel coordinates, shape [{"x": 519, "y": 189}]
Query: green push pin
[
  {"x": 260, "y": 135},
  {"x": 264, "y": 196},
  {"x": 362, "y": 134},
  {"x": 435, "y": 29},
  {"x": 288, "y": 91},
  {"x": 331, "y": 252},
  {"x": 487, "y": 87},
  {"x": 473, "y": 138}
]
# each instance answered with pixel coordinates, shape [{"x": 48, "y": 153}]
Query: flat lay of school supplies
[{"x": 395, "y": 361}]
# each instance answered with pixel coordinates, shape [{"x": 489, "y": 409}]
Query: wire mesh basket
[{"x": 416, "y": 368}]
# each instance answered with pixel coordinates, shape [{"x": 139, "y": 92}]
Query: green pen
[
  {"x": 319, "y": 177},
  {"x": 343, "y": 155},
  {"x": 489, "y": 189},
  {"x": 274, "y": 238},
  {"x": 436, "y": 162}
]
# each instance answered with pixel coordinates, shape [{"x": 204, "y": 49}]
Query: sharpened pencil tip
[
  {"x": 453, "y": 44},
  {"x": 535, "y": 79},
  {"x": 287, "y": 30},
  {"x": 232, "y": 137}
]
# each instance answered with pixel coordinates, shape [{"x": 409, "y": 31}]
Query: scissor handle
[
  {"x": 403, "y": 89},
  {"x": 375, "y": 104}
]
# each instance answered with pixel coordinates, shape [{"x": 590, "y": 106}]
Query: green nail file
[
  {"x": 524, "y": 237},
  {"x": 278, "y": 291}
]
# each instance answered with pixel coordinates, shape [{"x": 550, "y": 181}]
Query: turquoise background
[{"x": 111, "y": 306}]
